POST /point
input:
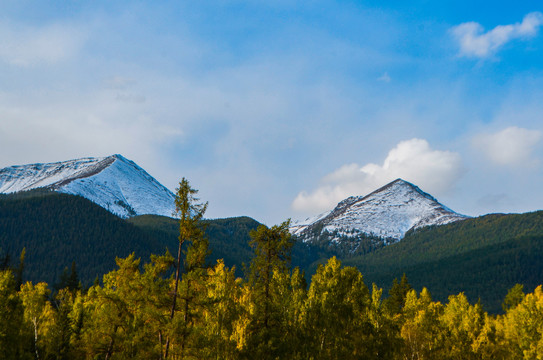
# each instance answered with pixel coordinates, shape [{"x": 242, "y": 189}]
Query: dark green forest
[
  {"x": 482, "y": 257},
  {"x": 58, "y": 229}
]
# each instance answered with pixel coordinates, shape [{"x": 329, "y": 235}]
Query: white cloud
[
  {"x": 413, "y": 160},
  {"x": 474, "y": 42},
  {"x": 512, "y": 146},
  {"x": 26, "y": 46}
]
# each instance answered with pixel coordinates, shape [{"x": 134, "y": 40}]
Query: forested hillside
[
  {"x": 482, "y": 257},
  {"x": 57, "y": 229},
  {"x": 228, "y": 238},
  {"x": 271, "y": 313}
]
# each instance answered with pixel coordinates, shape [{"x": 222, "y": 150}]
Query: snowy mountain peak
[
  {"x": 387, "y": 213},
  {"x": 399, "y": 186},
  {"x": 113, "y": 182}
]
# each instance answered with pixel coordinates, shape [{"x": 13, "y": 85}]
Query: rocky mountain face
[
  {"x": 384, "y": 216},
  {"x": 114, "y": 182}
]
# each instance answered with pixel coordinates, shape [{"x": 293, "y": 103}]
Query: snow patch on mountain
[
  {"x": 387, "y": 213},
  {"x": 114, "y": 182},
  {"x": 299, "y": 225}
]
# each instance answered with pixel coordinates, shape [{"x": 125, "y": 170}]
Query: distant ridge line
[{"x": 87, "y": 172}]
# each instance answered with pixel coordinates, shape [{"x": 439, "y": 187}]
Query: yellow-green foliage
[{"x": 336, "y": 317}]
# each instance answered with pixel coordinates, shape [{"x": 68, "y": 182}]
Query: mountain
[
  {"x": 380, "y": 218},
  {"x": 114, "y": 182}
]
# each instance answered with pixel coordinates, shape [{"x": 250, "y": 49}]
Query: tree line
[{"x": 148, "y": 311}]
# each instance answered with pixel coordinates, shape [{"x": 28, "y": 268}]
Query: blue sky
[{"x": 279, "y": 110}]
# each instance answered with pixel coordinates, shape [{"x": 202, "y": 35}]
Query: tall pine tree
[
  {"x": 191, "y": 288},
  {"x": 271, "y": 261}
]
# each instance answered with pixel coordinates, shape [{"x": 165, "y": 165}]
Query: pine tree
[
  {"x": 190, "y": 214},
  {"x": 73, "y": 280},
  {"x": 20, "y": 269},
  {"x": 397, "y": 295},
  {"x": 59, "y": 340},
  {"x": 69, "y": 279},
  {"x": 386, "y": 341},
  {"x": 271, "y": 261},
  {"x": 11, "y": 318},
  {"x": 514, "y": 297}
]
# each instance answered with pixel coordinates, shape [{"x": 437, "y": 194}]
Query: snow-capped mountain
[
  {"x": 387, "y": 213},
  {"x": 113, "y": 182}
]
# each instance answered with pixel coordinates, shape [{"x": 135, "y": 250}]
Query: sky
[{"x": 281, "y": 109}]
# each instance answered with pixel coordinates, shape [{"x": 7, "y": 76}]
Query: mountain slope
[
  {"x": 57, "y": 229},
  {"x": 228, "y": 238},
  {"x": 486, "y": 273},
  {"x": 386, "y": 214},
  {"x": 114, "y": 182},
  {"x": 483, "y": 257}
]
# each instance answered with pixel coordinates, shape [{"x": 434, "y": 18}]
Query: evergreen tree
[
  {"x": 386, "y": 340},
  {"x": 20, "y": 269},
  {"x": 514, "y": 296},
  {"x": 397, "y": 295},
  {"x": 11, "y": 318},
  {"x": 64, "y": 327},
  {"x": 190, "y": 214},
  {"x": 69, "y": 279},
  {"x": 5, "y": 260},
  {"x": 272, "y": 250}
]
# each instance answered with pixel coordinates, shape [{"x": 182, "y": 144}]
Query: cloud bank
[
  {"x": 474, "y": 42},
  {"x": 512, "y": 146},
  {"x": 413, "y": 160}
]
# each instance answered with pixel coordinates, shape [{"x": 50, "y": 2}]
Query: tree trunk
[
  {"x": 35, "y": 322},
  {"x": 160, "y": 342},
  {"x": 172, "y": 313},
  {"x": 109, "y": 349}
]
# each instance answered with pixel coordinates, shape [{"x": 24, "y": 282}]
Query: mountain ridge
[{"x": 113, "y": 182}]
